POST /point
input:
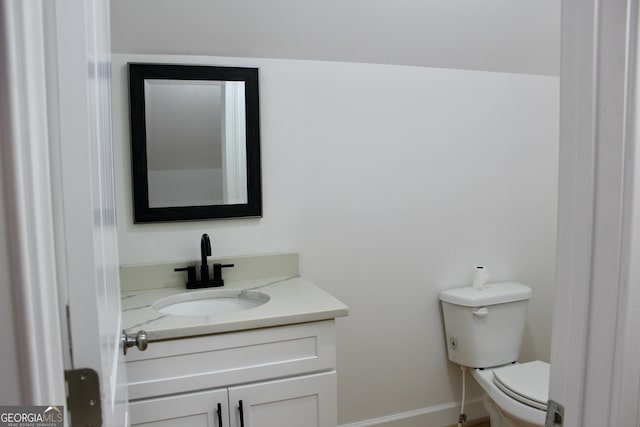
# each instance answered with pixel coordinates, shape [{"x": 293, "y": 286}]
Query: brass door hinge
[{"x": 83, "y": 400}]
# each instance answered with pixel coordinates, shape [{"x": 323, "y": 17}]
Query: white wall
[
  {"x": 403, "y": 194},
  {"x": 491, "y": 35},
  {"x": 392, "y": 182}
]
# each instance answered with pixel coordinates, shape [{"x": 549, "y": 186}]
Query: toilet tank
[{"x": 484, "y": 328}]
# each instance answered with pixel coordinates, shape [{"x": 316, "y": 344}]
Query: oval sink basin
[{"x": 210, "y": 302}]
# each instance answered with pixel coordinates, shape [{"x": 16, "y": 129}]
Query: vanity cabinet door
[
  {"x": 184, "y": 410},
  {"x": 307, "y": 401}
]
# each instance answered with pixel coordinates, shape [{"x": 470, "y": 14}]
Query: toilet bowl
[{"x": 516, "y": 394}]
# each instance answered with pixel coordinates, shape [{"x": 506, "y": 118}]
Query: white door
[
  {"x": 79, "y": 92},
  {"x": 307, "y": 401},
  {"x": 58, "y": 201},
  {"x": 595, "y": 368},
  {"x": 202, "y": 409}
]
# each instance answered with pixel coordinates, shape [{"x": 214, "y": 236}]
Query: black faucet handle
[
  {"x": 191, "y": 273},
  {"x": 217, "y": 270}
]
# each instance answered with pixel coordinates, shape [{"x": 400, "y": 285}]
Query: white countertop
[{"x": 292, "y": 300}]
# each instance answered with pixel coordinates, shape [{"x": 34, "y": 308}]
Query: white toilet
[{"x": 484, "y": 330}]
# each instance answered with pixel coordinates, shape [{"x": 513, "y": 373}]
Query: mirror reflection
[
  {"x": 196, "y": 152},
  {"x": 195, "y": 142}
]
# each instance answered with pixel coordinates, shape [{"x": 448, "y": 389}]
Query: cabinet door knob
[
  {"x": 241, "y": 413},
  {"x": 219, "y": 415},
  {"x": 140, "y": 340}
]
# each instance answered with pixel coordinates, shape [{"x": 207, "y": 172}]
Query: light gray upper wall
[{"x": 521, "y": 36}]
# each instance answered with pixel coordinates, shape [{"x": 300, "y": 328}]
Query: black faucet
[
  {"x": 204, "y": 282},
  {"x": 205, "y": 251}
]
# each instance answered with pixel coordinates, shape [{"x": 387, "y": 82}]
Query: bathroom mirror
[{"x": 195, "y": 142}]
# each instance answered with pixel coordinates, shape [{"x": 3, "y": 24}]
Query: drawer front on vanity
[{"x": 206, "y": 362}]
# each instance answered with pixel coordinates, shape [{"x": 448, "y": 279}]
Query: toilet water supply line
[
  {"x": 463, "y": 417},
  {"x": 480, "y": 278}
]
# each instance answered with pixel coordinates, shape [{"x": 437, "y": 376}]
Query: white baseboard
[{"x": 433, "y": 416}]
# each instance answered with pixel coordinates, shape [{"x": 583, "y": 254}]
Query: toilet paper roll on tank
[{"x": 480, "y": 277}]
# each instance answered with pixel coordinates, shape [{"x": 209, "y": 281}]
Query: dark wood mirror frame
[{"x": 138, "y": 73}]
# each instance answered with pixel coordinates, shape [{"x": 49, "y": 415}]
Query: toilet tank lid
[{"x": 493, "y": 293}]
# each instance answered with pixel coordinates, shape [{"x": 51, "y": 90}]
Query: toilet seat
[
  {"x": 527, "y": 383},
  {"x": 515, "y": 408}
]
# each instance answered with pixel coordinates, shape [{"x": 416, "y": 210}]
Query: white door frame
[
  {"x": 234, "y": 148},
  {"x": 593, "y": 372},
  {"x": 28, "y": 218}
]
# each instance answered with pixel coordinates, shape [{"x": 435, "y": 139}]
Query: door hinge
[
  {"x": 555, "y": 414},
  {"x": 83, "y": 400}
]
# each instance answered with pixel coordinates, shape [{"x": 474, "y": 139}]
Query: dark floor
[{"x": 483, "y": 422}]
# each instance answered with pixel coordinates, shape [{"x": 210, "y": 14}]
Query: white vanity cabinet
[{"x": 271, "y": 377}]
